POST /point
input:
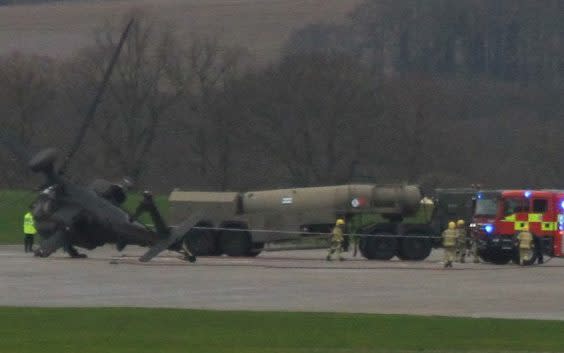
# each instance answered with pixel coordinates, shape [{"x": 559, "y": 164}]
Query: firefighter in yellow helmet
[
  {"x": 461, "y": 241},
  {"x": 337, "y": 239},
  {"x": 474, "y": 247},
  {"x": 450, "y": 236},
  {"x": 525, "y": 247},
  {"x": 29, "y": 231}
]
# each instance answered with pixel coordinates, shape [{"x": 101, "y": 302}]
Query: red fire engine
[{"x": 500, "y": 215}]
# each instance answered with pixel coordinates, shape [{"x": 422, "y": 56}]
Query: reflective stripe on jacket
[
  {"x": 449, "y": 238},
  {"x": 337, "y": 234},
  {"x": 525, "y": 240}
]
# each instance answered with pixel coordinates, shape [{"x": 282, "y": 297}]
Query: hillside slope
[{"x": 58, "y": 29}]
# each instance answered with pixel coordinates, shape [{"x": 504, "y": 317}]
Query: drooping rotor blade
[
  {"x": 175, "y": 236},
  {"x": 16, "y": 147},
  {"x": 181, "y": 229},
  {"x": 97, "y": 99}
]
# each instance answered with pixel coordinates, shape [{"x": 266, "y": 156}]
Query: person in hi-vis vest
[
  {"x": 29, "y": 232},
  {"x": 450, "y": 237}
]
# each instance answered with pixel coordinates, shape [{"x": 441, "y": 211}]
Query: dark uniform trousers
[
  {"x": 538, "y": 249},
  {"x": 28, "y": 242}
]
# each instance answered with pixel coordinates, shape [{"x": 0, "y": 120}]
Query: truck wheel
[
  {"x": 235, "y": 243},
  {"x": 378, "y": 248},
  {"x": 256, "y": 250},
  {"x": 202, "y": 242},
  {"x": 418, "y": 246},
  {"x": 515, "y": 257},
  {"x": 485, "y": 254},
  {"x": 414, "y": 249},
  {"x": 499, "y": 258}
]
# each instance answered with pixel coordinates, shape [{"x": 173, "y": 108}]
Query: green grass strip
[
  {"x": 13, "y": 205},
  {"x": 175, "y": 330}
]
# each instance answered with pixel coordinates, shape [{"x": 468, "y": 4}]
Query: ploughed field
[{"x": 59, "y": 29}]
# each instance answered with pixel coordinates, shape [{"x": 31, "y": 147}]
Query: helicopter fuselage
[{"x": 87, "y": 219}]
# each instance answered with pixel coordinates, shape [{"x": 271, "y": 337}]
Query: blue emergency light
[
  {"x": 527, "y": 194},
  {"x": 562, "y": 204},
  {"x": 489, "y": 228}
]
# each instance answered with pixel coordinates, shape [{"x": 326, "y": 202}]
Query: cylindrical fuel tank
[
  {"x": 389, "y": 199},
  {"x": 406, "y": 198}
]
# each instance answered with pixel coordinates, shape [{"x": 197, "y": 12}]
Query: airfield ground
[{"x": 288, "y": 281}]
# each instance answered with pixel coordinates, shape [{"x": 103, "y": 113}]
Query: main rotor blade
[
  {"x": 97, "y": 99},
  {"x": 175, "y": 236}
]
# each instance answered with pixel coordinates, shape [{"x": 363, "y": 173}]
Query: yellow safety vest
[
  {"x": 29, "y": 225},
  {"x": 525, "y": 240},
  {"x": 337, "y": 234},
  {"x": 449, "y": 238}
]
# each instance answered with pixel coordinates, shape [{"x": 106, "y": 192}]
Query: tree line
[
  {"x": 398, "y": 94},
  {"x": 511, "y": 40}
]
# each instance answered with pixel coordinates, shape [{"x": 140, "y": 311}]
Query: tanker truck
[{"x": 395, "y": 219}]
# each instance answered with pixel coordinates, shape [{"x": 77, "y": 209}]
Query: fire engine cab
[{"x": 499, "y": 216}]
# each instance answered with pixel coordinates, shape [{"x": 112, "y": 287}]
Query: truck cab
[{"x": 500, "y": 215}]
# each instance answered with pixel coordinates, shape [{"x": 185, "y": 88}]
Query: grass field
[
  {"x": 14, "y": 204},
  {"x": 59, "y": 29},
  {"x": 171, "y": 330}
]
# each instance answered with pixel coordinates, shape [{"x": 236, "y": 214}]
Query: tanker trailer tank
[
  {"x": 270, "y": 216},
  {"x": 307, "y": 212},
  {"x": 395, "y": 201}
]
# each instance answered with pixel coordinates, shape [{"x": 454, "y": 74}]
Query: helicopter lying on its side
[{"x": 67, "y": 214}]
